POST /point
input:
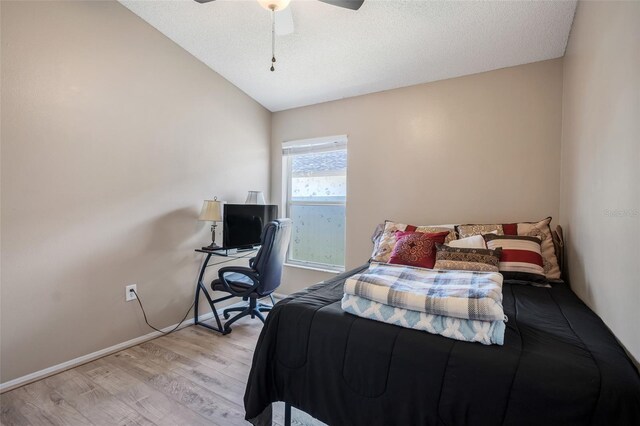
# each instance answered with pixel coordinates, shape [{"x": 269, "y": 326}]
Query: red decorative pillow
[{"x": 416, "y": 248}]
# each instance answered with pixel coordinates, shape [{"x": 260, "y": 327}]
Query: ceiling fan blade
[
  {"x": 204, "y": 1},
  {"x": 284, "y": 22},
  {"x": 347, "y": 4}
]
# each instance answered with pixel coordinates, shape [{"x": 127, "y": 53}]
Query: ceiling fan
[
  {"x": 279, "y": 5},
  {"x": 282, "y": 4}
]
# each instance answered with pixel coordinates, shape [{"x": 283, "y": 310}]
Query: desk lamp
[{"x": 212, "y": 212}]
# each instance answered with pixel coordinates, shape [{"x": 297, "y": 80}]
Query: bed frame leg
[{"x": 287, "y": 414}]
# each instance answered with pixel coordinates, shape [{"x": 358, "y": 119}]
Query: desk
[{"x": 200, "y": 286}]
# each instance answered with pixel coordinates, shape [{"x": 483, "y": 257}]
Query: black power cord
[
  {"x": 144, "y": 314},
  {"x": 157, "y": 329}
]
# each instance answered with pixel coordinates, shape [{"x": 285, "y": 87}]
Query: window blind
[{"x": 331, "y": 143}]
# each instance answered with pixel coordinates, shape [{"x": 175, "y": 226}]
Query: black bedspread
[{"x": 559, "y": 365}]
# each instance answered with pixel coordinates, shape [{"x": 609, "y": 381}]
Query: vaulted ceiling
[{"x": 335, "y": 53}]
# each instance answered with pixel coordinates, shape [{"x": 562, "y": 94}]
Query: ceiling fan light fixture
[{"x": 274, "y": 5}]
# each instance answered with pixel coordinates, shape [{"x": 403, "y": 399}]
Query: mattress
[{"x": 559, "y": 365}]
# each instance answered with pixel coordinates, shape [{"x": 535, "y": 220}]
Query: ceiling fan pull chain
[{"x": 273, "y": 38}]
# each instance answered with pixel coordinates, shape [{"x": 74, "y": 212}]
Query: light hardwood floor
[{"x": 191, "y": 377}]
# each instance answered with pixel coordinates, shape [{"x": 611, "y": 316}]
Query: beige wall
[
  {"x": 112, "y": 136},
  {"x": 600, "y": 207},
  {"x": 480, "y": 148}
]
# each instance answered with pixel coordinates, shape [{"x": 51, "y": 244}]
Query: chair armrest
[{"x": 243, "y": 270}]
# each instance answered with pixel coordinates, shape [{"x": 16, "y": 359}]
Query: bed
[{"x": 559, "y": 365}]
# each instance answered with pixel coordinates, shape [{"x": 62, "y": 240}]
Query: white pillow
[{"x": 475, "y": 241}]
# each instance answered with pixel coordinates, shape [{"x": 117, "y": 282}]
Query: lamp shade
[
  {"x": 255, "y": 197},
  {"x": 212, "y": 210}
]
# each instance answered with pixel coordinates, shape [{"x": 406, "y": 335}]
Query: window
[{"x": 316, "y": 194}]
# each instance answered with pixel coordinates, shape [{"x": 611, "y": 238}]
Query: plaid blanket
[
  {"x": 485, "y": 332},
  {"x": 458, "y": 294}
]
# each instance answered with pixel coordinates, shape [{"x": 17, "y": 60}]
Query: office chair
[{"x": 262, "y": 276}]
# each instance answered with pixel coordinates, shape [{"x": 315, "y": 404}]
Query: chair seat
[{"x": 237, "y": 282}]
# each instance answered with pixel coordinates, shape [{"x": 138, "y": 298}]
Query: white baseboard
[
  {"x": 59, "y": 368},
  {"x": 50, "y": 371}
]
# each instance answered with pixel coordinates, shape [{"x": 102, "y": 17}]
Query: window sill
[{"x": 313, "y": 268}]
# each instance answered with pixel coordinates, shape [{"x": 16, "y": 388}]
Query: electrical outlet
[{"x": 130, "y": 295}]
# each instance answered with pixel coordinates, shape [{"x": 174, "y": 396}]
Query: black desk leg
[
  {"x": 200, "y": 287},
  {"x": 287, "y": 414}
]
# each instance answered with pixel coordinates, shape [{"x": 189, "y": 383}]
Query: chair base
[{"x": 253, "y": 309}]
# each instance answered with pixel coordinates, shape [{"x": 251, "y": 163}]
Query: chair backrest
[{"x": 270, "y": 258}]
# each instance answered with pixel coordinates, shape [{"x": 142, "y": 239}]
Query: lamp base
[{"x": 212, "y": 247}]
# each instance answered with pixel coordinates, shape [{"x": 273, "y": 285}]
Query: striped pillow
[
  {"x": 521, "y": 257},
  {"x": 541, "y": 229}
]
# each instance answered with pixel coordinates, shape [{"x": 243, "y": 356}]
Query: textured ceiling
[{"x": 335, "y": 53}]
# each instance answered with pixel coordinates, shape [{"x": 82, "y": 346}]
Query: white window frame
[{"x": 307, "y": 146}]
